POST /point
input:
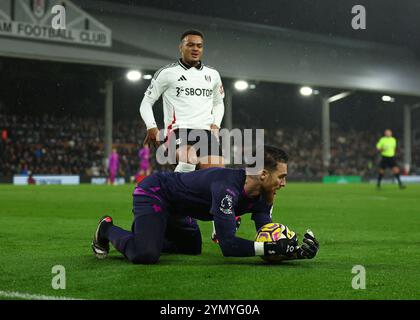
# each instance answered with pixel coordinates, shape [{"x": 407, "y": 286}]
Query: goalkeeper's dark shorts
[
  {"x": 157, "y": 229},
  {"x": 204, "y": 141},
  {"x": 388, "y": 162}
]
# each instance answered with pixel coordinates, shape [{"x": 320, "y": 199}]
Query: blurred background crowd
[{"x": 73, "y": 145}]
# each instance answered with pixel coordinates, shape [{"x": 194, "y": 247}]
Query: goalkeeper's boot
[{"x": 100, "y": 245}]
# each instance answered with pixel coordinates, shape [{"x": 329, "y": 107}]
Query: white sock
[
  {"x": 184, "y": 167},
  {"x": 214, "y": 229}
]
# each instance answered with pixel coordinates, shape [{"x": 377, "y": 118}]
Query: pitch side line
[{"x": 27, "y": 296}]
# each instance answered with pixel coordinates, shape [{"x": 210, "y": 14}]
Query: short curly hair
[
  {"x": 272, "y": 156},
  {"x": 192, "y": 32}
]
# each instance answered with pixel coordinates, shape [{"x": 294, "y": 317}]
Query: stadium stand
[{"x": 71, "y": 145}]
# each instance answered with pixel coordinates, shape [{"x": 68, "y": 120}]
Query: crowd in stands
[
  {"x": 352, "y": 152},
  {"x": 50, "y": 145}
]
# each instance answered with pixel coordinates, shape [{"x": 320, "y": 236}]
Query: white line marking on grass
[{"x": 27, "y": 296}]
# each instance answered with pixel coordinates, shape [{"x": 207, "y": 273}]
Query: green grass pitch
[{"x": 43, "y": 226}]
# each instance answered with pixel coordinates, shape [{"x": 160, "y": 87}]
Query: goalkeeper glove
[
  {"x": 282, "y": 247},
  {"x": 309, "y": 247}
]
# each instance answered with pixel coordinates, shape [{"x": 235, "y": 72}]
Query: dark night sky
[{"x": 388, "y": 21}]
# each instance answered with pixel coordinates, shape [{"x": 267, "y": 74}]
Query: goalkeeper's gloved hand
[
  {"x": 309, "y": 247},
  {"x": 283, "y": 247}
]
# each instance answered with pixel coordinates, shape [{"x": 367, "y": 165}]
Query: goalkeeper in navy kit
[{"x": 216, "y": 194}]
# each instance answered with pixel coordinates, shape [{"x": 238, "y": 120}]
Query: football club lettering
[{"x": 47, "y": 20}]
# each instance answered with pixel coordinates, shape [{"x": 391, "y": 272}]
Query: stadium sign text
[
  {"x": 38, "y": 20},
  {"x": 104, "y": 180},
  {"x": 28, "y": 30},
  {"x": 47, "y": 179}
]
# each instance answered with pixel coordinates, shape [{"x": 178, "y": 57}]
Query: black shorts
[
  {"x": 147, "y": 198},
  {"x": 175, "y": 224},
  {"x": 182, "y": 234},
  {"x": 181, "y": 137},
  {"x": 388, "y": 162},
  {"x": 155, "y": 227}
]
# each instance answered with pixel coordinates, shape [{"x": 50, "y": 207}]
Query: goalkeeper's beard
[{"x": 269, "y": 195}]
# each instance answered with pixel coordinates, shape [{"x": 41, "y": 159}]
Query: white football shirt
[{"x": 190, "y": 95}]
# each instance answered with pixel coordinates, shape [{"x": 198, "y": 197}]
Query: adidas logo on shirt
[{"x": 188, "y": 93}]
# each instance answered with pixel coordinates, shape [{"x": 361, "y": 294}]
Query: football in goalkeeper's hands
[{"x": 274, "y": 232}]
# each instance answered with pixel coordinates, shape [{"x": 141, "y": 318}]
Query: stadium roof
[
  {"x": 148, "y": 38},
  {"x": 388, "y": 21}
]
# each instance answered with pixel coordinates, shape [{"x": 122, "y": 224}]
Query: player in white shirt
[{"x": 192, "y": 99}]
